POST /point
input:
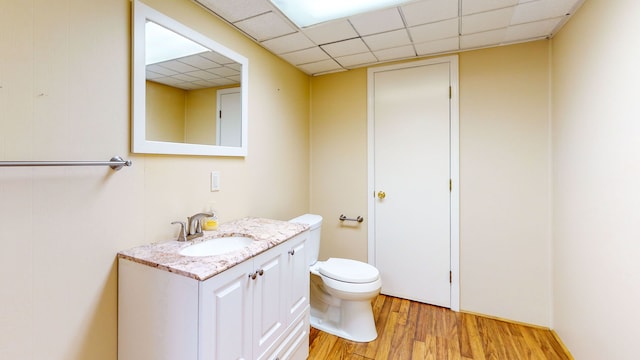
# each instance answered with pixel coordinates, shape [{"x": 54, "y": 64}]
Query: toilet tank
[{"x": 314, "y": 222}]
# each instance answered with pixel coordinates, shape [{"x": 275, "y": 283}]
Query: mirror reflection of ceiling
[
  {"x": 198, "y": 71},
  {"x": 416, "y": 29}
]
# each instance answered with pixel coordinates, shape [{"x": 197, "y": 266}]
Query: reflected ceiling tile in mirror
[
  {"x": 199, "y": 61},
  {"x": 161, "y": 70},
  {"x": 203, "y": 74},
  {"x": 217, "y": 58},
  {"x": 224, "y": 71},
  {"x": 177, "y": 66}
]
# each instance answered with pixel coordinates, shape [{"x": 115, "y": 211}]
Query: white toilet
[{"x": 341, "y": 291}]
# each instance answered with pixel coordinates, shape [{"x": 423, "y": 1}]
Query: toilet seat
[{"x": 350, "y": 271}]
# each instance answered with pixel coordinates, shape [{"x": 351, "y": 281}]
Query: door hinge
[
  {"x": 450, "y": 277},
  {"x": 450, "y": 185},
  {"x": 450, "y": 91}
]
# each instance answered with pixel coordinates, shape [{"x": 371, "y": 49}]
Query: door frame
[{"x": 454, "y": 161}]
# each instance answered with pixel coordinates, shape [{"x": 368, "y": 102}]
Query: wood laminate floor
[{"x": 412, "y": 330}]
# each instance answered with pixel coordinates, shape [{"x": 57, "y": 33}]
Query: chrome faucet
[{"x": 194, "y": 226}]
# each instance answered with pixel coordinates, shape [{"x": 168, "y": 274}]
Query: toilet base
[{"x": 353, "y": 320}]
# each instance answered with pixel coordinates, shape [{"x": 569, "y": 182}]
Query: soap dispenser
[{"x": 210, "y": 223}]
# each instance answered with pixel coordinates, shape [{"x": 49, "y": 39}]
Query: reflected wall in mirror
[{"x": 190, "y": 93}]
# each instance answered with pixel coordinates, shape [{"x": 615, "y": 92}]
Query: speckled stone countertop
[{"x": 267, "y": 233}]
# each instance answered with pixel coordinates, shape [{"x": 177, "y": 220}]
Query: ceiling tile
[
  {"x": 489, "y": 20},
  {"x": 217, "y": 58},
  {"x": 288, "y": 43},
  {"x": 330, "y": 32},
  {"x": 377, "y": 21},
  {"x": 387, "y": 40},
  {"x": 541, "y": 9},
  {"x": 321, "y": 67},
  {"x": 428, "y": 11},
  {"x": 177, "y": 66},
  {"x": 236, "y": 10},
  {"x": 200, "y": 62},
  {"x": 266, "y": 26},
  {"x": 344, "y": 48},
  {"x": 314, "y": 54},
  {"x": 204, "y": 75},
  {"x": 224, "y": 71},
  {"x": 170, "y": 81},
  {"x": 185, "y": 77},
  {"x": 438, "y": 46},
  {"x": 531, "y": 30},
  {"x": 156, "y": 68},
  {"x": 357, "y": 59},
  {"x": 401, "y": 52},
  {"x": 487, "y": 38},
  {"x": 476, "y": 6},
  {"x": 435, "y": 31}
]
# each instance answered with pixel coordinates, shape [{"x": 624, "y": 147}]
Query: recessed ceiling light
[
  {"x": 162, "y": 44},
  {"x": 309, "y": 12}
]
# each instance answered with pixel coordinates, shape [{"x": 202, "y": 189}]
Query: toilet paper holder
[{"x": 344, "y": 218}]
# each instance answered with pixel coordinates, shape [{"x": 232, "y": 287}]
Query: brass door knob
[{"x": 381, "y": 195}]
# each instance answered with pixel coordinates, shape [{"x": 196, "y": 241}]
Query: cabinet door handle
[
  {"x": 253, "y": 275},
  {"x": 260, "y": 272},
  {"x": 292, "y": 252}
]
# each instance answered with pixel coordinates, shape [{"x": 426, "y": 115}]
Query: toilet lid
[{"x": 349, "y": 270}]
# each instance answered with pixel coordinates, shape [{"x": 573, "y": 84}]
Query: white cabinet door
[
  {"x": 225, "y": 315},
  {"x": 297, "y": 277},
  {"x": 269, "y": 320}
]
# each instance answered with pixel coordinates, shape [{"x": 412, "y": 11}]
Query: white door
[
  {"x": 411, "y": 180},
  {"x": 229, "y": 124}
]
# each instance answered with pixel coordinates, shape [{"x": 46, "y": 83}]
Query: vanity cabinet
[{"x": 258, "y": 309}]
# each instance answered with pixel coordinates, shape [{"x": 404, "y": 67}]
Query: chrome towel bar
[
  {"x": 344, "y": 218},
  {"x": 116, "y": 163}
]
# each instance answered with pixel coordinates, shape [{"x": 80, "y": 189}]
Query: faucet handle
[{"x": 182, "y": 236}]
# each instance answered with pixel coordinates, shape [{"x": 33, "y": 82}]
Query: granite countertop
[{"x": 165, "y": 256}]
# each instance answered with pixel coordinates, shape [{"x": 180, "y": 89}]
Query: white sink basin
[{"x": 217, "y": 246}]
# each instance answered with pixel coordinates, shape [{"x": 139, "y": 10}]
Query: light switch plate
[{"x": 215, "y": 181}]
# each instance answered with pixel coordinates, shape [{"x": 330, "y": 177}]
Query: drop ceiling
[{"x": 416, "y": 29}]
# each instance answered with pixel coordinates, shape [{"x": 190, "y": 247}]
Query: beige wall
[
  {"x": 504, "y": 169},
  {"x": 64, "y": 95},
  {"x": 201, "y": 116},
  {"x": 339, "y": 161},
  {"x": 596, "y": 127},
  {"x": 504, "y": 182},
  {"x": 165, "y": 107}
]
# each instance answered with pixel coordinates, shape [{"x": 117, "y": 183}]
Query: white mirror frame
[{"x": 139, "y": 143}]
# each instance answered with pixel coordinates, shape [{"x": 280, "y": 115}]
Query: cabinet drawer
[{"x": 295, "y": 346}]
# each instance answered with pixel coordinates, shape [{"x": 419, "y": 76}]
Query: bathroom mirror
[{"x": 189, "y": 92}]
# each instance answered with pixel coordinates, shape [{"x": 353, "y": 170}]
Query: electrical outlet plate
[{"x": 215, "y": 181}]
